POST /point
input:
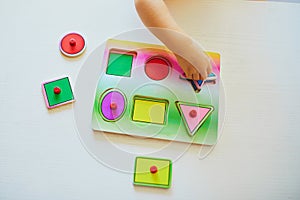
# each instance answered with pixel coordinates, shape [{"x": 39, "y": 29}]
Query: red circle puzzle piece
[
  {"x": 72, "y": 44},
  {"x": 157, "y": 68}
]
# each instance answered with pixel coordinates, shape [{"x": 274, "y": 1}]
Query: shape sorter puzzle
[{"x": 142, "y": 92}]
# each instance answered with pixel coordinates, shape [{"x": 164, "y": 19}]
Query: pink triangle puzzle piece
[{"x": 194, "y": 115}]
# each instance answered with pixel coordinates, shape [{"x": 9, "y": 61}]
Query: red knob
[
  {"x": 193, "y": 113},
  {"x": 153, "y": 169},
  {"x": 113, "y": 106},
  {"x": 72, "y": 42},
  {"x": 57, "y": 90}
]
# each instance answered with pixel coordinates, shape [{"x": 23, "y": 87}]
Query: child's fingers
[
  {"x": 189, "y": 75},
  {"x": 209, "y": 70},
  {"x": 203, "y": 76},
  {"x": 196, "y": 76}
]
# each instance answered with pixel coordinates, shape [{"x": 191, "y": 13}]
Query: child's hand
[
  {"x": 195, "y": 64},
  {"x": 191, "y": 58}
]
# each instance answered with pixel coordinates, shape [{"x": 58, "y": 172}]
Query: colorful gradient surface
[{"x": 171, "y": 89}]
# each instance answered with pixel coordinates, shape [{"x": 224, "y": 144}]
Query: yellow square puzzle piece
[
  {"x": 150, "y": 110},
  {"x": 155, "y": 172}
]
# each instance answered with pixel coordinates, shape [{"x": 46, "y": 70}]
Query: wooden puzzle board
[{"x": 140, "y": 93}]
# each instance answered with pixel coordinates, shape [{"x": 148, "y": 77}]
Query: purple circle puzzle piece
[{"x": 116, "y": 98}]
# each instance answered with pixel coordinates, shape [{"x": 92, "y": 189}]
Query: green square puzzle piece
[
  {"x": 119, "y": 64},
  {"x": 64, "y": 96},
  {"x": 161, "y": 177}
]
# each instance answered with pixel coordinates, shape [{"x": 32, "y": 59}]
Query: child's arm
[{"x": 156, "y": 16}]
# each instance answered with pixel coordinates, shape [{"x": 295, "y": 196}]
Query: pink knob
[
  {"x": 153, "y": 169},
  {"x": 193, "y": 113}
]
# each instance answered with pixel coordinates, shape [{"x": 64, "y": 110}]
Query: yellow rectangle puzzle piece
[
  {"x": 149, "y": 110},
  {"x": 162, "y": 176}
]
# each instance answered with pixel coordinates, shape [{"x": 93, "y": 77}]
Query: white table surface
[{"x": 257, "y": 157}]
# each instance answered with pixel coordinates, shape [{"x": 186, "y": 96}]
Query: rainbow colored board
[{"x": 141, "y": 92}]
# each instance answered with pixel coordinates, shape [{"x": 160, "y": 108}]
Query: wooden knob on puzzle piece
[
  {"x": 153, "y": 169},
  {"x": 113, "y": 106},
  {"x": 57, "y": 90},
  {"x": 193, "y": 113},
  {"x": 72, "y": 42}
]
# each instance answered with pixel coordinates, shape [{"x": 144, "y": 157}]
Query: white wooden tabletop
[{"x": 257, "y": 156}]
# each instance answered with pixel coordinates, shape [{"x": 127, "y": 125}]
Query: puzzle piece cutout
[
  {"x": 149, "y": 110},
  {"x": 112, "y": 105},
  {"x": 120, "y": 63},
  {"x": 193, "y": 115}
]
